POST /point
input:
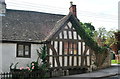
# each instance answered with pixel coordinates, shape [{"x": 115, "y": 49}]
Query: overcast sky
[{"x": 99, "y": 12}]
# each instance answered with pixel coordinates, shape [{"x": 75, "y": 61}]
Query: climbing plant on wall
[{"x": 87, "y": 37}]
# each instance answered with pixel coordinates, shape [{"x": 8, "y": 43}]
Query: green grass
[{"x": 115, "y": 62}]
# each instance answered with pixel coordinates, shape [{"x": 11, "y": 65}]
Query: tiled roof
[{"x": 28, "y": 26}]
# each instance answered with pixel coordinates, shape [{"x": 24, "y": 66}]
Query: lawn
[{"x": 115, "y": 62}]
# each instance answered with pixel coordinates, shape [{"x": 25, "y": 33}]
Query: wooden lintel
[{"x": 67, "y": 40}]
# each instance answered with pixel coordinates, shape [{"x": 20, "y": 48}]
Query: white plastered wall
[
  {"x": 0, "y": 57},
  {"x": 9, "y": 56}
]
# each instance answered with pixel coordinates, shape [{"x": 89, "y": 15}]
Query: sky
[{"x": 101, "y": 13}]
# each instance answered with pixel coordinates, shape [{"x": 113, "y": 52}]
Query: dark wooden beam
[
  {"x": 68, "y": 57},
  {"x": 63, "y": 54},
  {"x": 67, "y": 40},
  {"x": 90, "y": 53},
  {"x": 48, "y": 53},
  {"x": 84, "y": 53},
  {"x": 72, "y": 54},
  {"x": 32, "y": 42},
  {"x": 63, "y": 49},
  {"x": 70, "y": 30},
  {"x": 77, "y": 54},
  {"x": 54, "y": 53},
  {"x": 72, "y": 48},
  {"x": 59, "y": 30},
  {"x": 53, "y": 59},
  {"x": 68, "y": 26}
]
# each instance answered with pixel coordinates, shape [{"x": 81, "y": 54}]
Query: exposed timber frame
[{"x": 67, "y": 50}]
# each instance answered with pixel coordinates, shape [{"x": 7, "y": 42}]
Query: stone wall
[{"x": 106, "y": 63}]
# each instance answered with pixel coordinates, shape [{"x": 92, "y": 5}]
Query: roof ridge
[{"x": 33, "y": 12}]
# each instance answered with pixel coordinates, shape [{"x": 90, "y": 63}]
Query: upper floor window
[
  {"x": 24, "y": 50},
  {"x": 70, "y": 48}
]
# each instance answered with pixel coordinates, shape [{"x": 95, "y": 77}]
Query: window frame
[
  {"x": 71, "y": 48},
  {"x": 29, "y": 50}
]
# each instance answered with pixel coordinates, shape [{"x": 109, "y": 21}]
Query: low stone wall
[
  {"x": 106, "y": 63},
  {"x": 64, "y": 72}
]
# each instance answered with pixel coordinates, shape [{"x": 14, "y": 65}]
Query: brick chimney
[
  {"x": 2, "y": 7},
  {"x": 72, "y": 9}
]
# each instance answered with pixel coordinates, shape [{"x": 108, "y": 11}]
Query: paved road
[
  {"x": 112, "y": 77},
  {"x": 107, "y": 73}
]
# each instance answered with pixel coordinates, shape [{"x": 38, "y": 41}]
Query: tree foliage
[
  {"x": 89, "y": 28},
  {"x": 86, "y": 36},
  {"x": 107, "y": 37}
]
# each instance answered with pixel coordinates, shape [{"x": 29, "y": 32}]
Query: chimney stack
[
  {"x": 72, "y": 9},
  {"x": 2, "y": 7}
]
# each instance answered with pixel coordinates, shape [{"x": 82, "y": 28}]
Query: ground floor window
[{"x": 23, "y": 50}]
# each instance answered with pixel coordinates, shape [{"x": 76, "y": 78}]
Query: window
[
  {"x": 23, "y": 50},
  {"x": 70, "y": 48}
]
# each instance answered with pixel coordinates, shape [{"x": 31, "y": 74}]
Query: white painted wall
[
  {"x": 9, "y": 56},
  {"x": 0, "y": 57}
]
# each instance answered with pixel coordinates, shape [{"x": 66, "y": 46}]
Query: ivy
[
  {"x": 87, "y": 38},
  {"x": 89, "y": 28}
]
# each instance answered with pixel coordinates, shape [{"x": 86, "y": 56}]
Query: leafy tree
[
  {"x": 101, "y": 33},
  {"x": 110, "y": 37},
  {"x": 89, "y": 28},
  {"x": 104, "y": 36}
]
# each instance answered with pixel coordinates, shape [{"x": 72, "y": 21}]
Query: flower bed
[
  {"x": 25, "y": 74},
  {"x": 36, "y": 69}
]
